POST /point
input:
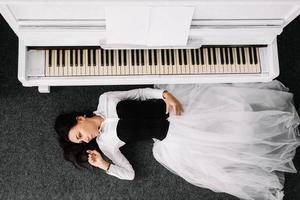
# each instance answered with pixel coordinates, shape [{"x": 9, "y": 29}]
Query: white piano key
[
  {"x": 242, "y": 67},
  {"x": 77, "y": 66},
  {"x": 135, "y": 71},
  {"x": 182, "y": 66},
  {"x": 97, "y": 67},
  {"x": 253, "y": 67},
  {"x": 105, "y": 67},
  {"x": 131, "y": 62},
  {"x": 188, "y": 61},
  {"x": 74, "y": 67},
  {"x": 201, "y": 65},
  {"x": 59, "y": 66},
  {"x": 142, "y": 64},
  {"x": 206, "y": 68},
  {"x": 157, "y": 66},
  {"x": 218, "y": 59},
  {"x": 127, "y": 62},
  {"x": 212, "y": 67},
  {"x": 65, "y": 59},
  {"x": 85, "y": 68},
  {"x": 89, "y": 65},
  {"x": 232, "y": 64},
  {"x": 174, "y": 66},
  {"x": 170, "y": 66},
  {"x": 47, "y": 66},
  {"x": 195, "y": 66},
  {"x": 93, "y": 65},
  {"x": 178, "y": 64},
  {"x": 165, "y": 67},
  {"x": 153, "y": 67},
  {"x": 258, "y": 65},
  {"x": 116, "y": 67},
  {"x": 234, "y": 68},
  {"x": 101, "y": 60},
  {"x": 56, "y": 68},
  {"x": 247, "y": 60},
  {"x": 67, "y": 62},
  {"x": 145, "y": 66}
]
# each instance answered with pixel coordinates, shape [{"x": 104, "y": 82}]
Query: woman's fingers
[{"x": 167, "y": 108}]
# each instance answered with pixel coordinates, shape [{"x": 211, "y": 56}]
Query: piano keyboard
[{"x": 100, "y": 62}]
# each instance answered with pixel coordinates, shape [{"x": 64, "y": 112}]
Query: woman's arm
[
  {"x": 141, "y": 93},
  {"x": 120, "y": 167}
]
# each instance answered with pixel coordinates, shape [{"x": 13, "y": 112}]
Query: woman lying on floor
[{"x": 232, "y": 138}]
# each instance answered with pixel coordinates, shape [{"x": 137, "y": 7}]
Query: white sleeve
[
  {"x": 141, "y": 93},
  {"x": 120, "y": 168}
]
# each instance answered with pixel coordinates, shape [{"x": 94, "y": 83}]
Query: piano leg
[{"x": 44, "y": 89}]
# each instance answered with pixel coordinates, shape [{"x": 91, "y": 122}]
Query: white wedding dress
[{"x": 232, "y": 138}]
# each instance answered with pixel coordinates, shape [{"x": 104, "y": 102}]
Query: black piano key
[
  {"x": 57, "y": 57},
  {"x": 81, "y": 57},
  {"x": 214, "y": 56},
  {"x": 50, "y": 58},
  {"x": 222, "y": 56},
  {"x": 162, "y": 55},
  {"x": 137, "y": 55},
  {"x": 71, "y": 58},
  {"x": 132, "y": 57},
  {"x": 185, "y": 56},
  {"x": 231, "y": 55},
  {"x": 250, "y": 55},
  {"x": 120, "y": 57},
  {"x": 255, "y": 55},
  {"x": 243, "y": 56},
  {"x": 168, "y": 57},
  {"x": 172, "y": 57},
  {"x": 192, "y": 57},
  {"x": 238, "y": 55},
  {"x": 202, "y": 56},
  {"x": 89, "y": 51},
  {"x": 197, "y": 60},
  {"x": 226, "y": 56},
  {"x": 209, "y": 56},
  {"x": 63, "y": 58},
  {"x": 102, "y": 57},
  {"x": 143, "y": 58},
  {"x": 106, "y": 57},
  {"x": 155, "y": 57},
  {"x": 94, "y": 57},
  {"x": 125, "y": 57},
  {"x": 150, "y": 56},
  {"x": 112, "y": 57},
  {"x": 76, "y": 57},
  {"x": 179, "y": 56}
]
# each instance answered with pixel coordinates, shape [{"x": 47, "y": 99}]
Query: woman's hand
[
  {"x": 172, "y": 103},
  {"x": 96, "y": 159}
]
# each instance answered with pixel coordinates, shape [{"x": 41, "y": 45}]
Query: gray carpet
[{"x": 32, "y": 166}]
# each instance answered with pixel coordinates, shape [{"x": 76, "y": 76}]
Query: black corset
[{"x": 140, "y": 120}]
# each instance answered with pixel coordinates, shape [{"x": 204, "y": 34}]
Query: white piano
[{"x": 61, "y": 43}]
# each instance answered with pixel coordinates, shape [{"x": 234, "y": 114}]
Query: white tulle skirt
[{"x": 232, "y": 138}]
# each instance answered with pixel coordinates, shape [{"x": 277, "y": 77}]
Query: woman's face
[{"x": 84, "y": 131}]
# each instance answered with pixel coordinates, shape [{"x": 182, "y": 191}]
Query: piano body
[{"x": 61, "y": 43}]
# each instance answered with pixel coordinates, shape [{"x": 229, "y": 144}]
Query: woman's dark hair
[{"x": 73, "y": 152}]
